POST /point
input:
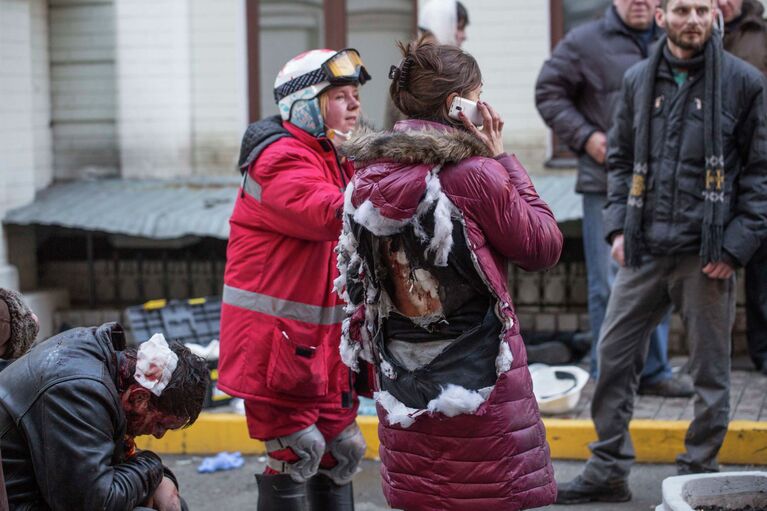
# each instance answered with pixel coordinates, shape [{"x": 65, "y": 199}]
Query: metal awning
[
  {"x": 559, "y": 193},
  {"x": 170, "y": 209},
  {"x": 145, "y": 208}
]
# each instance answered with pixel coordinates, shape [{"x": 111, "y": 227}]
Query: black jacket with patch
[
  {"x": 673, "y": 210},
  {"x": 62, "y": 428},
  {"x": 579, "y": 86}
]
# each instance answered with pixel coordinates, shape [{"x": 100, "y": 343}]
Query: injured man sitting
[{"x": 71, "y": 408}]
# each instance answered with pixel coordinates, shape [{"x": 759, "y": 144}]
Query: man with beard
[
  {"x": 745, "y": 36},
  {"x": 687, "y": 204},
  {"x": 576, "y": 95}
]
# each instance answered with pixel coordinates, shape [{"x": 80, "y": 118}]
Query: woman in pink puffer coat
[{"x": 432, "y": 218}]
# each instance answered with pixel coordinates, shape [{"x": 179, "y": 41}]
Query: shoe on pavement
[
  {"x": 686, "y": 469},
  {"x": 676, "y": 386},
  {"x": 579, "y": 491}
]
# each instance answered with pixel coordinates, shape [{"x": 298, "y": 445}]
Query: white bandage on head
[{"x": 155, "y": 364}]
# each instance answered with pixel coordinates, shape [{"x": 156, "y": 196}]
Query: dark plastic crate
[{"x": 190, "y": 321}]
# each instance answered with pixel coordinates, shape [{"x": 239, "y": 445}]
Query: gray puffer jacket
[
  {"x": 578, "y": 87},
  {"x": 673, "y": 208}
]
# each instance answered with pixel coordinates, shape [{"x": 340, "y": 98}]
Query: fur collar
[{"x": 427, "y": 146}]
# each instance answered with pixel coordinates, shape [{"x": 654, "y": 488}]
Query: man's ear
[
  {"x": 660, "y": 17},
  {"x": 136, "y": 398}
]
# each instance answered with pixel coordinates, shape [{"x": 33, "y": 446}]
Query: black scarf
[{"x": 713, "y": 210}]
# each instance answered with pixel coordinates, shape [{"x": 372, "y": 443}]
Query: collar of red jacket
[{"x": 319, "y": 144}]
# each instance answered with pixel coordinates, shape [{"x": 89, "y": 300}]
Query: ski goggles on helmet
[{"x": 345, "y": 67}]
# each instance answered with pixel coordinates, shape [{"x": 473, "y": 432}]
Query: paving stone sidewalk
[{"x": 748, "y": 400}]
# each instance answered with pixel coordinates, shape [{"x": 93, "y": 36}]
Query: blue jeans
[{"x": 600, "y": 273}]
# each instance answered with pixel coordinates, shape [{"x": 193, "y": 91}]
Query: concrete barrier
[{"x": 654, "y": 441}]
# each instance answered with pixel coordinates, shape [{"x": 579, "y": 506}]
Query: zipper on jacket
[{"x": 324, "y": 142}]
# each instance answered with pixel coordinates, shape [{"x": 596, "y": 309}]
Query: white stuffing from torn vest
[
  {"x": 504, "y": 359},
  {"x": 388, "y": 370},
  {"x": 452, "y": 401},
  {"x": 396, "y": 411}
]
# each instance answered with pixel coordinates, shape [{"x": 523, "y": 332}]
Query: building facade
[{"x": 163, "y": 89}]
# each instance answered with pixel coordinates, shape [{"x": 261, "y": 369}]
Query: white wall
[
  {"x": 510, "y": 40},
  {"x": 218, "y": 84},
  {"x": 41, "y": 94},
  {"x": 17, "y": 180},
  {"x": 154, "y": 87}
]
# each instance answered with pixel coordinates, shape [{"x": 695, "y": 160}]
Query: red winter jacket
[
  {"x": 497, "y": 457},
  {"x": 280, "y": 320}
]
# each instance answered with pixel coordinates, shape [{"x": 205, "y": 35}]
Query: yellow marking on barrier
[
  {"x": 212, "y": 433},
  {"x": 196, "y": 301},
  {"x": 658, "y": 441},
  {"x": 369, "y": 427},
  {"x": 155, "y": 304},
  {"x": 654, "y": 441}
]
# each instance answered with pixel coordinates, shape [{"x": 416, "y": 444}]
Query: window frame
[{"x": 335, "y": 20}]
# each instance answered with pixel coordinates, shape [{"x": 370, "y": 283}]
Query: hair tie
[
  {"x": 402, "y": 72},
  {"x": 394, "y": 73}
]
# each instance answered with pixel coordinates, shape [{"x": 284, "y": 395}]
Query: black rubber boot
[
  {"x": 325, "y": 495},
  {"x": 280, "y": 492},
  {"x": 579, "y": 491}
]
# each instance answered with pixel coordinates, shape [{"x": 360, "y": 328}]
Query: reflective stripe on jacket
[{"x": 280, "y": 321}]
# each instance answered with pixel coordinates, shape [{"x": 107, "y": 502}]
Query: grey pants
[{"x": 639, "y": 299}]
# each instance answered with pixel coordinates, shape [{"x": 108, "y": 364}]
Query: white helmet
[{"x": 304, "y": 77}]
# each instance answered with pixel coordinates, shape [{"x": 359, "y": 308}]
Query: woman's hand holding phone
[{"x": 491, "y": 133}]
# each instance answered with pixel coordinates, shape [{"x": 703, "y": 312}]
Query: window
[{"x": 280, "y": 29}]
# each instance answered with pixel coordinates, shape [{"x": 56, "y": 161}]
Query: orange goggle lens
[{"x": 344, "y": 64}]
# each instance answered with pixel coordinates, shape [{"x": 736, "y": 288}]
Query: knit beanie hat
[{"x": 18, "y": 326}]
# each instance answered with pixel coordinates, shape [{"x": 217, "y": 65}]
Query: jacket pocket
[{"x": 297, "y": 365}]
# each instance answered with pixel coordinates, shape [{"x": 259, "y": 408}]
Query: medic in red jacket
[{"x": 280, "y": 320}]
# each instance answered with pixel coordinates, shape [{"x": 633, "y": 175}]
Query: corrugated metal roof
[
  {"x": 147, "y": 208},
  {"x": 169, "y": 209},
  {"x": 559, "y": 192}
]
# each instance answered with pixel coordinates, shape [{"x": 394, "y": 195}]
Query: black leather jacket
[{"x": 62, "y": 428}]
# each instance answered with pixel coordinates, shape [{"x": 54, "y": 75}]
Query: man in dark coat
[
  {"x": 576, "y": 94},
  {"x": 18, "y": 330},
  {"x": 687, "y": 204},
  {"x": 745, "y": 36},
  {"x": 70, "y": 408}
]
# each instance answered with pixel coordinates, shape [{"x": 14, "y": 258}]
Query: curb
[{"x": 654, "y": 441}]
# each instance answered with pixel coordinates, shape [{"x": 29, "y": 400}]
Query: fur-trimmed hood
[
  {"x": 415, "y": 141},
  {"x": 18, "y": 327}
]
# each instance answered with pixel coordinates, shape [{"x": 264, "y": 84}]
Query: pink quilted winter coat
[{"x": 496, "y": 457}]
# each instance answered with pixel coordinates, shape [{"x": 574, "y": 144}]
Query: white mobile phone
[{"x": 469, "y": 109}]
